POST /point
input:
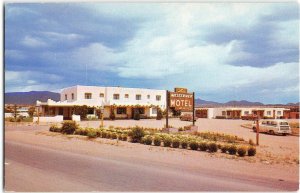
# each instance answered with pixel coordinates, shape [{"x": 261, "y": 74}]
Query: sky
[{"x": 221, "y": 51}]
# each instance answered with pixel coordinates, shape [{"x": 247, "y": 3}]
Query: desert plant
[
  {"x": 175, "y": 142},
  {"x": 148, "y": 140},
  {"x": 136, "y": 134},
  {"x": 212, "y": 147},
  {"x": 194, "y": 145},
  {"x": 103, "y": 134},
  {"x": 108, "y": 135},
  {"x": 92, "y": 133},
  {"x": 55, "y": 128},
  {"x": 157, "y": 140},
  {"x": 251, "y": 151},
  {"x": 124, "y": 137},
  {"x": 69, "y": 127},
  {"x": 114, "y": 135},
  {"x": 242, "y": 151},
  {"x": 203, "y": 146},
  {"x": 184, "y": 143},
  {"x": 167, "y": 141},
  {"x": 232, "y": 150},
  {"x": 224, "y": 148}
]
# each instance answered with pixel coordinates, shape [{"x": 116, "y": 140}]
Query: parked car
[
  {"x": 188, "y": 117},
  {"x": 273, "y": 127}
]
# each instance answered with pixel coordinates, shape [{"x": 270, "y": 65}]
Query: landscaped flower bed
[{"x": 199, "y": 141}]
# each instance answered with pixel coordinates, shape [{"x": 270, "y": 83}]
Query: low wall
[
  {"x": 76, "y": 117},
  {"x": 58, "y": 118}
]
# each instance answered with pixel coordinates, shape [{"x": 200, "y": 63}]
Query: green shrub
[
  {"x": 219, "y": 146},
  {"x": 124, "y": 137},
  {"x": 143, "y": 140},
  {"x": 175, "y": 142},
  {"x": 92, "y": 133},
  {"x": 55, "y": 128},
  {"x": 232, "y": 150},
  {"x": 69, "y": 127},
  {"x": 136, "y": 134},
  {"x": 242, "y": 151},
  {"x": 157, "y": 140},
  {"x": 194, "y": 145},
  {"x": 251, "y": 151},
  {"x": 224, "y": 148},
  {"x": 148, "y": 140},
  {"x": 167, "y": 141},
  {"x": 108, "y": 135},
  {"x": 203, "y": 146},
  {"x": 184, "y": 143},
  {"x": 103, "y": 134},
  {"x": 114, "y": 135},
  {"x": 99, "y": 132},
  {"x": 212, "y": 147}
]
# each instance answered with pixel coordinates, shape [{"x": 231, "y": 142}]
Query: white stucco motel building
[{"x": 123, "y": 100}]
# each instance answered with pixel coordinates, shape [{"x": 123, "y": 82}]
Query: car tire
[{"x": 272, "y": 132}]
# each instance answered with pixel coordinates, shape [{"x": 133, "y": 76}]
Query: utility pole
[
  {"x": 257, "y": 130},
  {"x": 193, "y": 108}
]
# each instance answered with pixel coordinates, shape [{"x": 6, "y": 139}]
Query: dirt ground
[
  {"x": 272, "y": 149},
  {"x": 40, "y": 136}
]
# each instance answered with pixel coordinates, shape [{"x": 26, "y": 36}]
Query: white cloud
[
  {"x": 62, "y": 36},
  {"x": 33, "y": 42}
]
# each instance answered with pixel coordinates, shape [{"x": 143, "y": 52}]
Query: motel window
[
  {"x": 246, "y": 112},
  {"x": 72, "y": 96},
  {"x": 87, "y": 95},
  {"x": 268, "y": 112},
  {"x": 141, "y": 110},
  {"x": 154, "y": 111},
  {"x": 148, "y": 96},
  {"x": 101, "y": 95},
  {"x": 116, "y": 96},
  {"x": 66, "y": 97},
  {"x": 138, "y": 97},
  {"x": 158, "y": 97},
  {"x": 278, "y": 112},
  {"x": 121, "y": 110},
  {"x": 126, "y": 96}
]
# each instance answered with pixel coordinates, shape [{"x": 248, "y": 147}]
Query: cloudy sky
[{"x": 221, "y": 51}]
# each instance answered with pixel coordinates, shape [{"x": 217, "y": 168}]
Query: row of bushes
[
  {"x": 139, "y": 135},
  {"x": 219, "y": 137},
  {"x": 212, "y": 147}
]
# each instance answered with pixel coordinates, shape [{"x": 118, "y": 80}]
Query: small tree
[
  {"x": 81, "y": 110},
  {"x": 112, "y": 115},
  {"x": 31, "y": 111},
  {"x": 15, "y": 112},
  {"x": 176, "y": 112},
  {"x": 159, "y": 114}
]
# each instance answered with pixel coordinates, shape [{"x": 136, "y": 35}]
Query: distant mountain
[
  {"x": 200, "y": 102},
  {"x": 30, "y": 98},
  {"x": 243, "y": 103}
]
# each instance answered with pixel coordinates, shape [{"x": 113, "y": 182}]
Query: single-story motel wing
[{"x": 124, "y": 101}]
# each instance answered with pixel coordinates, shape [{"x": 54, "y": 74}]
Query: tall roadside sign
[{"x": 181, "y": 100}]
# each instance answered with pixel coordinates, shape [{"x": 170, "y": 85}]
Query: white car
[{"x": 273, "y": 127}]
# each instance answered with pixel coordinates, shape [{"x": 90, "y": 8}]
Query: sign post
[
  {"x": 193, "y": 108},
  {"x": 101, "y": 113},
  {"x": 257, "y": 130},
  {"x": 167, "y": 110}
]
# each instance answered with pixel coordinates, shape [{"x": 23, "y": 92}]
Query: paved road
[{"x": 33, "y": 168}]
